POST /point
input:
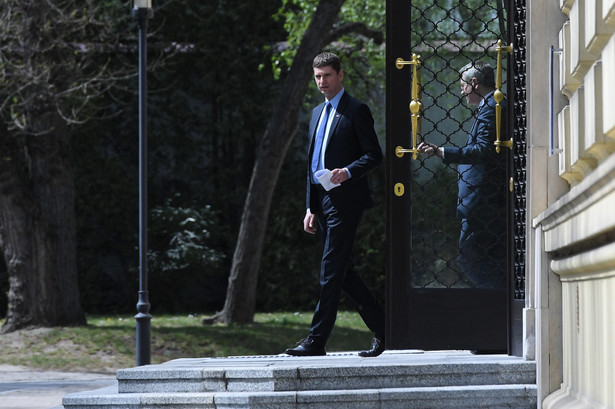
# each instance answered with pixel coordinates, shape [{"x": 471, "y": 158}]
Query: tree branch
[{"x": 355, "y": 28}]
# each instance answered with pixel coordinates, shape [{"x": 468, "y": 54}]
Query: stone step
[
  {"x": 396, "y": 379},
  {"x": 334, "y": 372},
  {"x": 453, "y": 397}
]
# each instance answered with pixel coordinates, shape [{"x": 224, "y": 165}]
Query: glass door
[{"x": 443, "y": 293}]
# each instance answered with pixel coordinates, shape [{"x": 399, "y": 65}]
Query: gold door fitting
[
  {"x": 400, "y": 151},
  {"x": 416, "y": 107},
  {"x": 499, "y": 97}
]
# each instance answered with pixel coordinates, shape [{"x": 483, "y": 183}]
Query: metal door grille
[
  {"x": 446, "y": 34},
  {"x": 520, "y": 148}
]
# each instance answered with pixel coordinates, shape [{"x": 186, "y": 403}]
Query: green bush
[{"x": 187, "y": 265}]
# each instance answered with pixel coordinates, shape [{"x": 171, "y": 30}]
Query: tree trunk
[
  {"x": 37, "y": 227},
  {"x": 46, "y": 84},
  {"x": 240, "y": 301}
]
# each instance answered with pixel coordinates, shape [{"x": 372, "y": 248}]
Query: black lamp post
[{"x": 142, "y": 11}]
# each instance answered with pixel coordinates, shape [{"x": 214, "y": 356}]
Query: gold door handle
[
  {"x": 416, "y": 107},
  {"x": 499, "y": 97}
]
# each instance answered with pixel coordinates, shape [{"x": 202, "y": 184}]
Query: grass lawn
[{"x": 107, "y": 343}]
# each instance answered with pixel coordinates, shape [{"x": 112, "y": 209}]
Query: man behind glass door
[{"x": 481, "y": 200}]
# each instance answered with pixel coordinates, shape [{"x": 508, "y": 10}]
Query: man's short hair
[
  {"x": 482, "y": 71},
  {"x": 326, "y": 60}
]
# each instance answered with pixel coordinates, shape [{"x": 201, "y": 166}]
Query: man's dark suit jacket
[
  {"x": 481, "y": 203},
  {"x": 482, "y": 171},
  {"x": 352, "y": 144}
]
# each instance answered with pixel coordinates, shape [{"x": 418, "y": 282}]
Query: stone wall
[{"x": 576, "y": 229}]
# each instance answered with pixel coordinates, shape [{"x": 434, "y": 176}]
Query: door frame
[
  {"x": 399, "y": 208},
  {"x": 398, "y": 232}
]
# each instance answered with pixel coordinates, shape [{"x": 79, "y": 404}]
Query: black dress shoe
[
  {"x": 307, "y": 347},
  {"x": 377, "y": 349}
]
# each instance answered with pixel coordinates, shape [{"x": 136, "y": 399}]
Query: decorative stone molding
[
  {"x": 597, "y": 31},
  {"x": 568, "y": 84},
  {"x": 565, "y": 168},
  {"x": 608, "y": 89},
  {"x": 566, "y": 5},
  {"x": 578, "y": 231},
  {"x": 584, "y": 213},
  {"x": 586, "y": 131},
  {"x": 595, "y": 142},
  {"x": 581, "y": 161},
  {"x": 608, "y": 12},
  {"x": 580, "y": 57}
]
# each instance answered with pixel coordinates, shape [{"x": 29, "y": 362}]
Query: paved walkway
[{"x": 24, "y": 388}]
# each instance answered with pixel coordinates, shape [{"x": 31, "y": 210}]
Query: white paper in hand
[{"x": 324, "y": 177}]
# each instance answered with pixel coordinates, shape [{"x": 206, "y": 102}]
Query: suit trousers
[
  {"x": 482, "y": 252},
  {"x": 338, "y": 229}
]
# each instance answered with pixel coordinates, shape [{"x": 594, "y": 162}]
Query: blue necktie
[{"x": 320, "y": 136}]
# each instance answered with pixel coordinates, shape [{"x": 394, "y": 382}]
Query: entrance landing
[{"x": 396, "y": 379}]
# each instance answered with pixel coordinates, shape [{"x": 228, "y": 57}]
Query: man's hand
[
  {"x": 339, "y": 175},
  {"x": 309, "y": 223},
  {"x": 429, "y": 148}
]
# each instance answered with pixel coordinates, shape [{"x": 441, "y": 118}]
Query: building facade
[{"x": 570, "y": 270}]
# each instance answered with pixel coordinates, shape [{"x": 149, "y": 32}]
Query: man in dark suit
[
  {"x": 481, "y": 203},
  {"x": 342, "y": 140}
]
